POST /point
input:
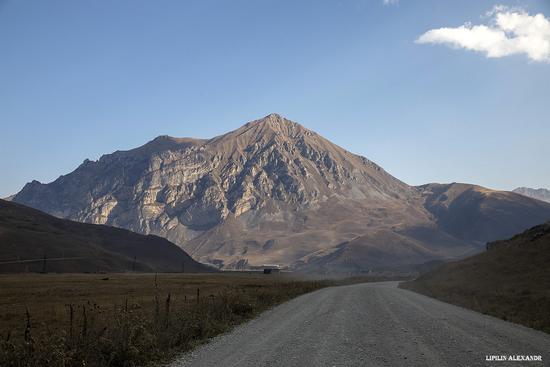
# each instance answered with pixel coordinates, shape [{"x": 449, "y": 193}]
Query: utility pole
[{"x": 44, "y": 264}]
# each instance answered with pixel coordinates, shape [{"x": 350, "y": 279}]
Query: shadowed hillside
[
  {"x": 475, "y": 213},
  {"x": 27, "y": 235},
  {"x": 511, "y": 280}
]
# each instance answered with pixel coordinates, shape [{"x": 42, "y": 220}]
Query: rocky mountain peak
[
  {"x": 270, "y": 127},
  {"x": 275, "y": 121},
  {"x": 278, "y": 122},
  {"x": 273, "y": 191},
  {"x": 269, "y": 173},
  {"x": 267, "y": 161}
]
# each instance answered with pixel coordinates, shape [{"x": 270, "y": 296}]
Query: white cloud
[
  {"x": 509, "y": 32},
  {"x": 391, "y": 2}
]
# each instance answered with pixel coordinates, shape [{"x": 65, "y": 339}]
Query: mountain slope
[
  {"x": 510, "y": 280},
  {"x": 474, "y": 213},
  {"x": 385, "y": 249},
  {"x": 539, "y": 194},
  {"x": 28, "y": 234},
  {"x": 271, "y": 191}
]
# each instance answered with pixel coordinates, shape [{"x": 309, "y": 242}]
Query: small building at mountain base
[{"x": 271, "y": 269}]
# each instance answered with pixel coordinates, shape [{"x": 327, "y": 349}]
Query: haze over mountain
[
  {"x": 539, "y": 194},
  {"x": 27, "y": 235},
  {"x": 273, "y": 191}
]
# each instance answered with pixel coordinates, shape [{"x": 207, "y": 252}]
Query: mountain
[
  {"x": 475, "y": 213},
  {"x": 539, "y": 194},
  {"x": 27, "y": 234},
  {"x": 271, "y": 191},
  {"x": 510, "y": 280}
]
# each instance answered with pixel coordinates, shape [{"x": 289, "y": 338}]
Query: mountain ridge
[
  {"x": 270, "y": 191},
  {"x": 539, "y": 194}
]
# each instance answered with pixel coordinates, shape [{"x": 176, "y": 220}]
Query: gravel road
[{"x": 374, "y": 324}]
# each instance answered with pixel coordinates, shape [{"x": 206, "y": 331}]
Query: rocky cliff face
[{"x": 271, "y": 191}]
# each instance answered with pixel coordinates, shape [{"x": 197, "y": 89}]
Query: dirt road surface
[{"x": 372, "y": 324}]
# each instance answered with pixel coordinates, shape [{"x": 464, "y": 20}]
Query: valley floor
[{"x": 374, "y": 324}]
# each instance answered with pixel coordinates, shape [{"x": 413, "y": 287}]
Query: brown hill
[
  {"x": 27, "y": 235},
  {"x": 511, "y": 280},
  {"x": 386, "y": 249},
  {"x": 271, "y": 191},
  {"x": 474, "y": 213}
]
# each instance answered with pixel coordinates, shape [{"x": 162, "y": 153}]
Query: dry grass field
[
  {"x": 47, "y": 296},
  {"x": 127, "y": 319},
  {"x": 130, "y": 319}
]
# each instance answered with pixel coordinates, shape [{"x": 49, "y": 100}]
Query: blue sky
[{"x": 79, "y": 79}]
